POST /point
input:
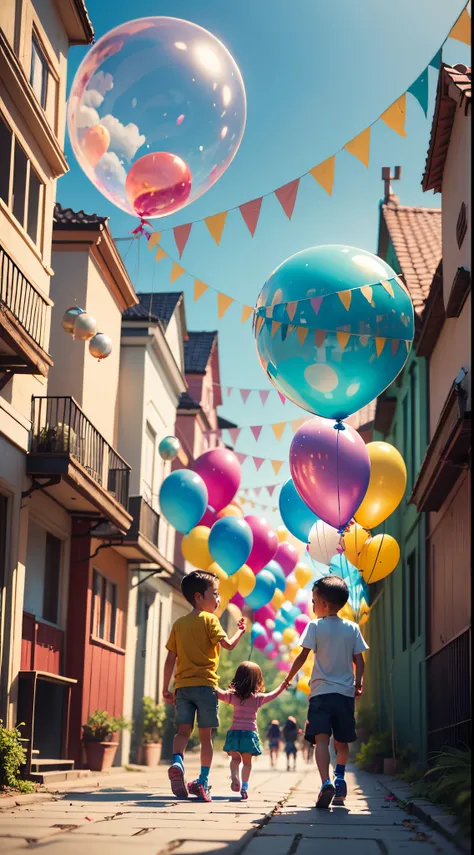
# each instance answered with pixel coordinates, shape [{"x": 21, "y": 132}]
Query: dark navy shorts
[
  {"x": 332, "y": 714},
  {"x": 200, "y": 701}
]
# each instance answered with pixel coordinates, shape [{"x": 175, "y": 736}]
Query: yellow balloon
[
  {"x": 289, "y": 635},
  {"x": 222, "y": 607},
  {"x": 347, "y": 613},
  {"x": 218, "y": 571},
  {"x": 195, "y": 549},
  {"x": 354, "y": 540},
  {"x": 291, "y": 590},
  {"x": 307, "y": 668},
  {"x": 302, "y": 686},
  {"x": 227, "y": 584},
  {"x": 246, "y": 580},
  {"x": 278, "y": 599},
  {"x": 388, "y": 480},
  {"x": 303, "y": 574},
  {"x": 379, "y": 557},
  {"x": 234, "y": 612},
  {"x": 230, "y": 511},
  {"x": 282, "y": 533},
  {"x": 363, "y": 619}
]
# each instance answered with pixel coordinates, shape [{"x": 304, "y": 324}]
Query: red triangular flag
[
  {"x": 229, "y": 391},
  {"x": 258, "y": 462},
  {"x": 264, "y": 393},
  {"x": 271, "y": 489},
  {"x": 181, "y": 234},
  {"x": 282, "y": 398},
  {"x": 240, "y": 457},
  {"x": 234, "y": 434},
  {"x": 286, "y": 196},
  {"x": 245, "y": 393},
  {"x": 257, "y": 490},
  {"x": 316, "y": 304},
  {"x": 250, "y": 213},
  {"x": 256, "y": 430}
]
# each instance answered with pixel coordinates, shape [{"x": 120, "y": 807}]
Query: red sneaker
[
  {"x": 178, "y": 784},
  {"x": 202, "y": 791}
]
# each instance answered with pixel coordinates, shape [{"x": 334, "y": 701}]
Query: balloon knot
[{"x": 339, "y": 425}]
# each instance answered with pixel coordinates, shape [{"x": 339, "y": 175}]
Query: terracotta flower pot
[
  {"x": 389, "y": 766},
  {"x": 100, "y": 755},
  {"x": 151, "y": 752}
]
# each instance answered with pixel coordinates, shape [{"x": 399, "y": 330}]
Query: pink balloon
[
  {"x": 260, "y": 642},
  {"x": 221, "y": 473},
  {"x": 238, "y": 600},
  {"x": 303, "y": 607},
  {"x": 274, "y": 654},
  {"x": 209, "y": 518},
  {"x": 284, "y": 666},
  {"x": 265, "y": 613},
  {"x": 287, "y": 557},
  {"x": 301, "y": 623},
  {"x": 330, "y": 467},
  {"x": 265, "y": 542}
]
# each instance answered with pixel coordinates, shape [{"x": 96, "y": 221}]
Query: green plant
[
  {"x": 101, "y": 727},
  {"x": 451, "y": 783},
  {"x": 153, "y": 720},
  {"x": 411, "y": 774},
  {"x": 378, "y": 746},
  {"x": 12, "y": 756},
  {"x": 366, "y": 719},
  {"x": 406, "y": 756}
]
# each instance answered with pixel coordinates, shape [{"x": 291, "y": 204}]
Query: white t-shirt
[{"x": 334, "y": 641}]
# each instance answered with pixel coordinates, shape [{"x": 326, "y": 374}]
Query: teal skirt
[{"x": 243, "y": 742}]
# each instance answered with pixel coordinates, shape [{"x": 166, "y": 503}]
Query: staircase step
[
  {"x": 57, "y": 764},
  {"x": 58, "y": 775}
]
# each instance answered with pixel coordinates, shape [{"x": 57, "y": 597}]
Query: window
[
  {"x": 6, "y": 137},
  {"x": 414, "y": 433},
  {"x": 412, "y": 596},
  {"x": 20, "y": 169},
  {"x": 149, "y": 472},
  {"x": 52, "y": 570},
  {"x": 34, "y": 195},
  {"x": 39, "y": 73},
  {"x": 104, "y": 608}
]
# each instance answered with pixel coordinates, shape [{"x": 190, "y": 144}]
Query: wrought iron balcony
[
  {"x": 23, "y": 322},
  {"x": 146, "y": 521},
  {"x": 65, "y": 444}
]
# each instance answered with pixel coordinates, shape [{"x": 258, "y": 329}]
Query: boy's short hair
[
  {"x": 333, "y": 589},
  {"x": 196, "y": 582}
]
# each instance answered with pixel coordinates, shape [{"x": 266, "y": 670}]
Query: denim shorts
[
  {"x": 332, "y": 714},
  {"x": 200, "y": 700}
]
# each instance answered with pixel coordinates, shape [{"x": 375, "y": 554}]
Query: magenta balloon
[
  {"x": 330, "y": 468},
  {"x": 274, "y": 654},
  {"x": 238, "y": 600},
  {"x": 220, "y": 471},
  {"x": 265, "y": 613},
  {"x": 209, "y": 518},
  {"x": 284, "y": 666},
  {"x": 301, "y": 623},
  {"x": 265, "y": 543},
  {"x": 260, "y": 642},
  {"x": 287, "y": 557}
]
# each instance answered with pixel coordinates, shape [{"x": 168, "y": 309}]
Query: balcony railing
[
  {"x": 60, "y": 427},
  {"x": 146, "y": 521},
  {"x": 24, "y": 301},
  {"x": 448, "y": 681}
]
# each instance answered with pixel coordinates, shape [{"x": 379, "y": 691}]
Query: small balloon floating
[
  {"x": 158, "y": 184},
  {"x": 100, "y": 346},
  {"x": 85, "y": 327},
  {"x": 169, "y": 448},
  {"x": 69, "y": 318}
]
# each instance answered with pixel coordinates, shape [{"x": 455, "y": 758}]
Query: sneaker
[
  {"x": 326, "y": 795},
  {"x": 202, "y": 791},
  {"x": 244, "y": 794},
  {"x": 341, "y": 791},
  {"x": 178, "y": 784}
]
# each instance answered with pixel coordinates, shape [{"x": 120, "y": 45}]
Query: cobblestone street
[{"x": 134, "y": 811}]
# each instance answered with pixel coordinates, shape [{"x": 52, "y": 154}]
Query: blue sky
[{"x": 316, "y": 74}]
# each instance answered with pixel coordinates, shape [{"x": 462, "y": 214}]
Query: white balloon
[
  {"x": 323, "y": 542},
  {"x": 283, "y": 648},
  {"x": 85, "y": 327},
  {"x": 270, "y": 624}
]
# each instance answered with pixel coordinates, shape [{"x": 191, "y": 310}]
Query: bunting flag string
[
  {"x": 259, "y": 461},
  {"x": 324, "y": 173},
  {"x": 278, "y": 429},
  {"x": 257, "y": 490},
  {"x": 243, "y": 501}
]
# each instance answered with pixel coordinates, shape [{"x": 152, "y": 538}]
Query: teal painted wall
[{"x": 396, "y": 630}]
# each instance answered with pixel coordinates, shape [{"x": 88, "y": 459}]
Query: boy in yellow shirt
[{"x": 194, "y": 647}]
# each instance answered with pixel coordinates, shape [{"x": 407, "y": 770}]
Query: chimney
[{"x": 389, "y": 195}]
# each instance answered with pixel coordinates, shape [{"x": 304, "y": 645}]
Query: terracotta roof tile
[
  {"x": 454, "y": 90},
  {"x": 416, "y": 237}
]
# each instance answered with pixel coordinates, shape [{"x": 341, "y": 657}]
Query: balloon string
[
  {"x": 337, "y": 480},
  {"x": 376, "y": 559},
  {"x": 251, "y": 651}
]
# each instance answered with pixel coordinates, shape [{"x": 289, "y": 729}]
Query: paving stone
[
  {"x": 9, "y": 845},
  {"x": 339, "y": 832},
  {"x": 270, "y": 846},
  {"x": 333, "y": 847}
]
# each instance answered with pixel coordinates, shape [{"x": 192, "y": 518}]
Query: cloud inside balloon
[{"x": 125, "y": 140}]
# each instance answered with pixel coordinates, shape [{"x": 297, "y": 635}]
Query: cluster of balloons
[
  {"x": 156, "y": 114},
  {"x": 79, "y": 324}
]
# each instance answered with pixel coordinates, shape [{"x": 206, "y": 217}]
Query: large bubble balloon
[
  {"x": 333, "y": 326},
  {"x": 156, "y": 114}
]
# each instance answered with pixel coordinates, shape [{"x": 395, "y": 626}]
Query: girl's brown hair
[{"x": 248, "y": 680}]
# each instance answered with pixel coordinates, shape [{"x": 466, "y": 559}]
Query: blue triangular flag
[
  {"x": 436, "y": 61},
  {"x": 419, "y": 90}
]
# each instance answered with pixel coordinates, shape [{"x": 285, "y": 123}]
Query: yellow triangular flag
[
  {"x": 200, "y": 288},
  {"x": 408, "y": 345},
  {"x": 394, "y": 117},
  {"x": 388, "y": 287},
  {"x": 247, "y": 311},
  {"x": 275, "y": 326},
  {"x": 154, "y": 238},
  {"x": 379, "y": 345},
  {"x": 297, "y": 424},
  {"x": 223, "y": 303},
  {"x": 160, "y": 253},
  {"x": 216, "y": 224},
  {"x": 366, "y": 290},
  {"x": 278, "y": 429},
  {"x": 360, "y": 146},
  {"x": 176, "y": 272},
  {"x": 343, "y": 338},
  {"x": 259, "y": 323},
  {"x": 345, "y": 298},
  {"x": 323, "y": 173},
  {"x": 277, "y": 464},
  {"x": 462, "y": 28},
  {"x": 301, "y": 333}
]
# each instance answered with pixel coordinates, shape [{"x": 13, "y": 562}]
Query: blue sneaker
[
  {"x": 326, "y": 795},
  {"x": 341, "y": 791}
]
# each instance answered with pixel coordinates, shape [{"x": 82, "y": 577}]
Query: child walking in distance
[
  {"x": 290, "y": 735},
  {"x": 194, "y": 647},
  {"x": 246, "y": 694},
  {"x": 274, "y": 737},
  {"x": 337, "y": 644}
]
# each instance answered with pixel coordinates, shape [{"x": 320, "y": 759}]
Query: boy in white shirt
[{"x": 337, "y": 644}]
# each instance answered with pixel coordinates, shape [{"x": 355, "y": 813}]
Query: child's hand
[
  {"x": 358, "y": 691},
  {"x": 242, "y": 625},
  {"x": 168, "y": 697}
]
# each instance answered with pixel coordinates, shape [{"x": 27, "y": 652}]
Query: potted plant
[
  {"x": 153, "y": 717},
  {"x": 98, "y": 735}
]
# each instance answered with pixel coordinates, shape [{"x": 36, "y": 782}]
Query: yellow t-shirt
[{"x": 195, "y": 640}]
